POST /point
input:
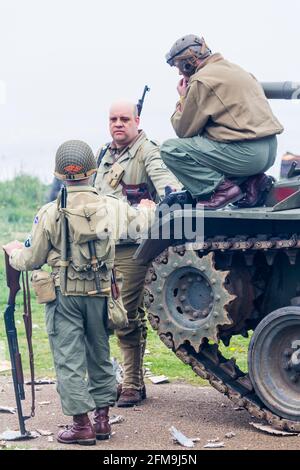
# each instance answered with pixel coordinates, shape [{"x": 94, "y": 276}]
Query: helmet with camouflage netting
[{"x": 74, "y": 161}]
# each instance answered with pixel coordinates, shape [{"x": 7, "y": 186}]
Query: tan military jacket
[
  {"x": 44, "y": 244},
  {"x": 142, "y": 164},
  {"x": 224, "y": 103}
]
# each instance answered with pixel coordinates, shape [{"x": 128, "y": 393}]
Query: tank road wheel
[
  {"x": 274, "y": 362},
  {"x": 189, "y": 297}
]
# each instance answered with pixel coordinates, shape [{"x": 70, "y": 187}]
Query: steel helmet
[
  {"x": 74, "y": 161},
  {"x": 188, "y": 46}
]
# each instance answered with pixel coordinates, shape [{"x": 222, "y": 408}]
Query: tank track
[{"x": 209, "y": 363}]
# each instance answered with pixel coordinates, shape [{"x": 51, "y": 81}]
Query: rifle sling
[{"x": 27, "y": 317}]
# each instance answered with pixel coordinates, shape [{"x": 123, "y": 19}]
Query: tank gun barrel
[{"x": 282, "y": 90}]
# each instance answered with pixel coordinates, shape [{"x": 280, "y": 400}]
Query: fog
[{"x": 64, "y": 62}]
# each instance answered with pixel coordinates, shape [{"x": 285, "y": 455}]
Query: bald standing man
[{"x": 131, "y": 167}]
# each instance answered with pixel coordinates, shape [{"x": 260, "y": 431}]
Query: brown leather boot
[
  {"x": 129, "y": 397},
  {"x": 101, "y": 423},
  {"x": 256, "y": 190},
  {"x": 81, "y": 432},
  {"x": 143, "y": 392},
  {"x": 226, "y": 193}
]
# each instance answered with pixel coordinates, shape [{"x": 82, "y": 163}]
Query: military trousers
[
  {"x": 132, "y": 339},
  {"x": 202, "y": 164},
  {"x": 79, "y": 342}
]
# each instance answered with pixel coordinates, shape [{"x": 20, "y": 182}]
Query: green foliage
[{"x": 20, "y": 199}]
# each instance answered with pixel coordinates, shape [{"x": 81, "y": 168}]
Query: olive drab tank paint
[{"x": 242, "y": 276}]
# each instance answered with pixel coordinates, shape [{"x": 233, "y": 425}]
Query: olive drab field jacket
[
  {"x": 140, "y": 163},
  {"x": 224, "y": 103},
  {"x": 109, "y": 217}
]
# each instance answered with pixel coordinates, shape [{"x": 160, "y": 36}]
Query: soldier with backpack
[{"x": 75, "y": 236}]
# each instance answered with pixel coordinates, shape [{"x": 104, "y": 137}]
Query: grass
[{"x": 20, "y": 200}]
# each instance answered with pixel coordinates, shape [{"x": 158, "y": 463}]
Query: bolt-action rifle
[
  {"x": 141, "y": 101},
  {"x": 13, "y": 283},
  {"x": 64, "y": 263}
]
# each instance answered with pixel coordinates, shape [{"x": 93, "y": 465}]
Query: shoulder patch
[{"x": 36, "y": 220}]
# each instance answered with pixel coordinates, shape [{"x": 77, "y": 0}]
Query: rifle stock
[
  {"x": 12, "y": 280},
  {"x": 13, "y": 283}
]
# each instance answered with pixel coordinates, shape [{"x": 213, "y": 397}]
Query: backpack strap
[
  {"x": 102, "y": 153},
  {"x": 100, "y": 158}
]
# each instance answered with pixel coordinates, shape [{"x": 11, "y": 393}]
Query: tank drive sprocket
[{"x": 190, "y": 297}]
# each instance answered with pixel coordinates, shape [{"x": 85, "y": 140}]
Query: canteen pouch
[
  {"x": 117, "y": 314},
  {"x": 43, "y": 286}
]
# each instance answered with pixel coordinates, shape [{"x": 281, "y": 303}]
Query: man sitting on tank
[{"x": 226, "y": 129}]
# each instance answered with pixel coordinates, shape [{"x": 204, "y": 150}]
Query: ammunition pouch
[
  {"x": 136, "y": 192},
  {"x": 117, "y": 315},
  {"x": 115, "y": 175},
  {"x": 43, "y": 286},
  {"x": 83, "y": 282}
]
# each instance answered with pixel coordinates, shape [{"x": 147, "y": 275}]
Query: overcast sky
[{"x": 64, "y": 61}]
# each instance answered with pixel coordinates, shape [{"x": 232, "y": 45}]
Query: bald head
[
  {"x": 123, "y": 123},
  {"x": 124, "y": 107}
]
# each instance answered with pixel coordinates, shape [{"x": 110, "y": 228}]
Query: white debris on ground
[
  {"x": 43, "y": 381},
  {"x": 8, "y": 409},
  {"x": 43, "y": 432},
  {"x": 230, "y": 435},
  {"x": 214, "y": 445},
  {"x": 179, "y": 437},
  {"x": 116, "y": 419},
  {"x": 159, "y": 379}
]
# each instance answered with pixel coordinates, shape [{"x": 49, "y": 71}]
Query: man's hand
[
  {"x": 11, "y": 246},
  {"x": 147, "y": 203},
  {"x": 182, "y": 87}
]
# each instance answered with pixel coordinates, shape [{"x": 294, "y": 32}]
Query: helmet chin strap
[{"x": 187, "y": 63}]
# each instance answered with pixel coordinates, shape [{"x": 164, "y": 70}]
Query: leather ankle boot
[
  {"x": 129, "y": 397},
  {"x": 81, "y": 432},
  {"x": 256, "y": 190},
  {"x": 143, "y": 392},
  {"x": 101, "y": 423},
  {"x": 226, "y": 193}
]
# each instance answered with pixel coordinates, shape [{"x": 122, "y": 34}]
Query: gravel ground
[{"x": 198, "y": 412}]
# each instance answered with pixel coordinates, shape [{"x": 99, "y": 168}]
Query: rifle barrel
[
  {"x": 64, "y": 241},
  {"x": 141, "y": 101},
  {"x": 16, "y": 364}
]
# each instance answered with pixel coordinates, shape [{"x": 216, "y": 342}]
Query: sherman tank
[{"x": 215, "y": 275}]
